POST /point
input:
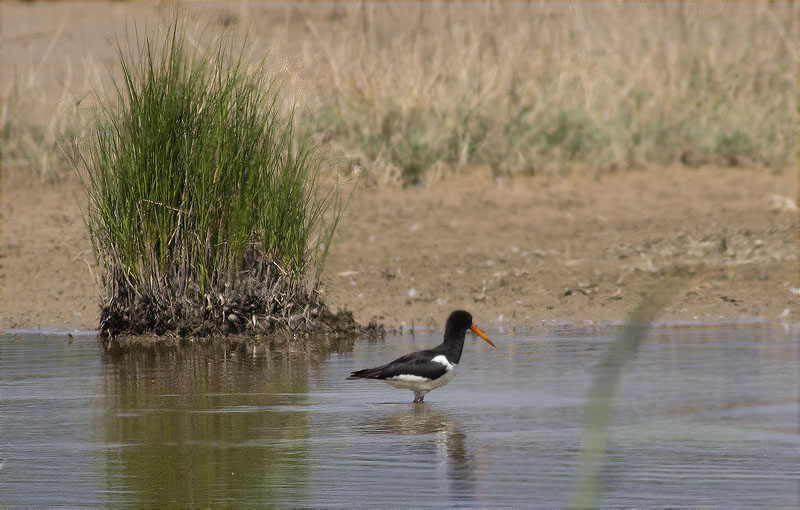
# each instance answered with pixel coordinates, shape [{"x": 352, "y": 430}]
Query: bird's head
[{"x": 462, "y": 321}]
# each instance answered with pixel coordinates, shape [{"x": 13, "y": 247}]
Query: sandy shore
[
  {"x": 580, "y": 247},
  {"x": 576, "y": 248}
]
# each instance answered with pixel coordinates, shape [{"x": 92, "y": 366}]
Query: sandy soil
[
  {"x": 568, "y": 248},
  {"x": 576, "y": 248}
]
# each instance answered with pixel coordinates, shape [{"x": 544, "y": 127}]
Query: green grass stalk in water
[{"x": 598, "y": 411}]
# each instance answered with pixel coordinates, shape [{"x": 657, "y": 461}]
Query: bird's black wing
[{"x": 417, "y": 363}]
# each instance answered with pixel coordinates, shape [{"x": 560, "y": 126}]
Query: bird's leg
[{"x": 418, "y": 396}]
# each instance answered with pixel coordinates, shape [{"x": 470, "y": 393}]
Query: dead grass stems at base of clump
[
  {"x": 335, "y": 332},
  {"x": 259, "y": 300},
  {"x": 205, "y": 208}
]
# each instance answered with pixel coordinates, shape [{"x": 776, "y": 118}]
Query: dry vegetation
[
  {"x": 400, "y": 90},
  {"x": 534, "y": 86}
]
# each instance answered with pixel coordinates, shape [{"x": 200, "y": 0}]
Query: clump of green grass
[{"x": 206, "y": 210}]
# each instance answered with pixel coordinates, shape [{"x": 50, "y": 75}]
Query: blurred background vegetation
[{"x": 405, "y": 91}]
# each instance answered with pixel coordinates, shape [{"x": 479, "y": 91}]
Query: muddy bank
[
  {"x": 575, "y": 248},
  {"x": 336, "y": 333}
]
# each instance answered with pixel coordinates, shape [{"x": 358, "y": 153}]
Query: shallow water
[{"x": 703, "y": 416}]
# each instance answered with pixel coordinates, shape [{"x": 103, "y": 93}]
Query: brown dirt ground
[
  {"x": 568, "y": 248},
  {"x": 572, "y": 248}
]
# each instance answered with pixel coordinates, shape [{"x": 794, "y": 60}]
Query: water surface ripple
[{"x": 703, "y": 417}]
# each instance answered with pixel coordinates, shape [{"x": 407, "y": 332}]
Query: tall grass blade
[{"x": 598, "y": 411}]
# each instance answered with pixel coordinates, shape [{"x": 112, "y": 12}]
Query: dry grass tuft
[{"x": 400, "y": 90}]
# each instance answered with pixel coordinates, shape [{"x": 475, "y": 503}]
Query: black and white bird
[{"x": 423, "y": 371}]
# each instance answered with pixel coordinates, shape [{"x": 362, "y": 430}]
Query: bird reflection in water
[{"x": 447, "y": 446}]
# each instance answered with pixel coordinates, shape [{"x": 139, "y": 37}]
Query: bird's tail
[{"x": 367, "y": 373}]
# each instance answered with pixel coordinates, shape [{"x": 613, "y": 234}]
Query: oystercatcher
[{"x": 423, "y": 371}]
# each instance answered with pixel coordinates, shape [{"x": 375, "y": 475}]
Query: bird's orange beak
[{"x": 481, "y": 334}]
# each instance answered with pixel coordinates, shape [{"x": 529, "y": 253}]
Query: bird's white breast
[{"x": 442, "y": 359}]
